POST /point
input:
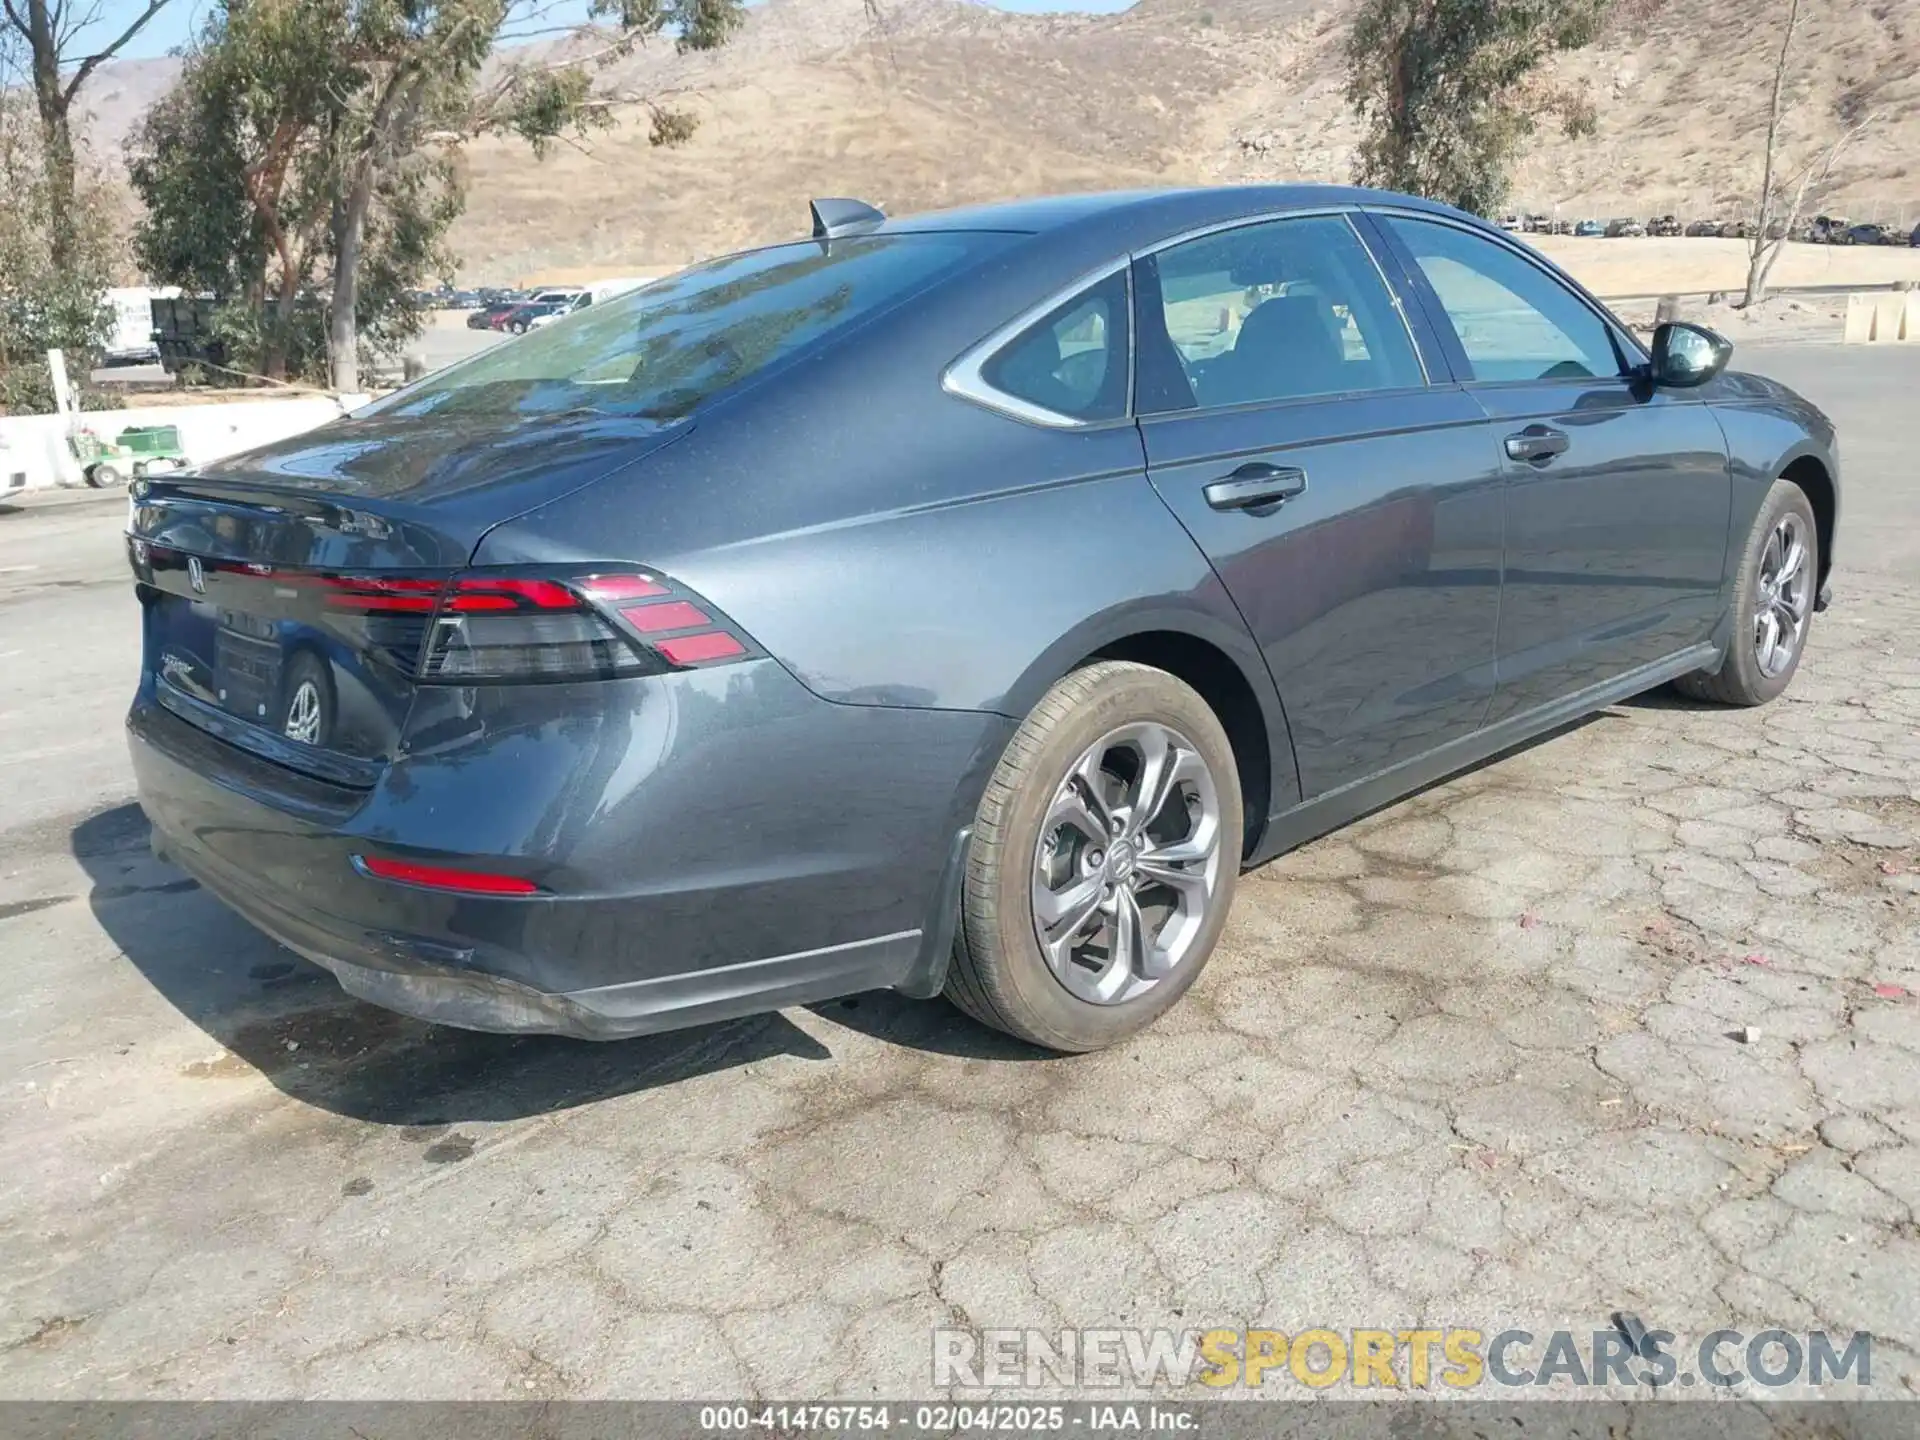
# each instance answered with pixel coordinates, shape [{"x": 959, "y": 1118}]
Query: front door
[
  {"x": 1618, "y": 495},
  {"x": 1351, "y": 509}
]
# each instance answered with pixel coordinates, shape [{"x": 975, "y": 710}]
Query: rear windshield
[{"x": 658, "y": 352}]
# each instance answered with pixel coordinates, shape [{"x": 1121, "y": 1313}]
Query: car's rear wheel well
[
  {"x": 1812, "y": 478},
  {"x": 1219, "y": 682}
]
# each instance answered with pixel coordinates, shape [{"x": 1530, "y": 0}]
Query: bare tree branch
[
  {"x": 94, "y": 61},
  {"x": 1765, "y": 246}
]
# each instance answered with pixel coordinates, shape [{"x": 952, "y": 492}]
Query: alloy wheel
[
  {"x": 1127, "y": 863},
  {"x": 1783, "y": 596}
]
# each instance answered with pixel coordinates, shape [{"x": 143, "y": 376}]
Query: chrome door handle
[
  {"x": 1257, "y": 486},
  {"x": 1537, "y": 444}
]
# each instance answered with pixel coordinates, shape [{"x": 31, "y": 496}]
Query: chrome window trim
[{"x": 965, "y": 378}]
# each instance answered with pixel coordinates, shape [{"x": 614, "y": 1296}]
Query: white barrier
[
  {"x": 34, "y": 450},
  {"x": 1881, "y": 319}
]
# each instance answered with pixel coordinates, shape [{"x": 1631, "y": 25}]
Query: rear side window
[
  {"x": 657, "y": 353},
  {"x": 1278, "y": 310},
  {"x": 1514, "y": 320},
  {"x": 1073, "y": 361}
]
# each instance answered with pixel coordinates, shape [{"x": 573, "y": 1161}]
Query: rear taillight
[{"x": 508, "y": 628}]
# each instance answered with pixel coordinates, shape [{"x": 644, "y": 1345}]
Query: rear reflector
[{"x": 437, "y": 877}]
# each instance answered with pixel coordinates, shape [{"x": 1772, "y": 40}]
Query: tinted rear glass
[{"x": 659, "y": 352}]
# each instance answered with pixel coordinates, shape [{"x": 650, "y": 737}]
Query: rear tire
[
  {"x": 1755, "y": 670},
  {"x": 1084, "y": 762},
  {"x": 105, "y": 476}
]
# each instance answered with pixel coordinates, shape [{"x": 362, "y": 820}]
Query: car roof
[
  {"x": 1137, "y": 216},
  {"x": 1175, "y": 207}
]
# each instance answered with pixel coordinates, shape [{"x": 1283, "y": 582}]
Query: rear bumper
[
  {"x": 669, "y": 903},
  {"x": 443, "y": 984}
]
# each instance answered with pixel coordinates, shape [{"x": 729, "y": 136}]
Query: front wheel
[
  {"x": 1773, "y": 604},
  {"x": 1103, "y": 862}
]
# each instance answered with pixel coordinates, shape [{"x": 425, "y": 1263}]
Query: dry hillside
[{"x": 924, "y": 103}]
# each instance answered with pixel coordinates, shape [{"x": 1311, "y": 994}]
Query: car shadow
[
  {"x": 933, "y": 1026},
  {"x": 286, "y": 1018},
  {"x": 1667, "y": 698}
]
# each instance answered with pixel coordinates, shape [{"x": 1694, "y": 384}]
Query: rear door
[
  {"x": 1351, "y": 508},
  {"x": 1618, "y": 495}
]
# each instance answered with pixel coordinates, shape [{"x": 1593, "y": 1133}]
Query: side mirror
[{"x": 1687, "y": 355}]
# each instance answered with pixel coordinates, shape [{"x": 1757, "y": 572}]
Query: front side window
[
  {"x": 1071, "y": 362},
  {"x": 1279, "y": 310},
  {"x": 656, "y": 353},
  {"x": 1514, "y": 320}
]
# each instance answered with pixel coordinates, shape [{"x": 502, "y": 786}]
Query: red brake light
[
  {"x": 479, "y": 627},
  {"x": 670, "y": 615},
  {"x": 440, "y": 877},
  {"x": 473, "y": 594},
  {"x": 612, "y": 589},
  {"x": 696, "y": 649},
  {"x": 403, "y": 594}
]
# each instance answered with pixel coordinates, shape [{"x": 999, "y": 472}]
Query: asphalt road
[{"x": 1471, "y": 1062}]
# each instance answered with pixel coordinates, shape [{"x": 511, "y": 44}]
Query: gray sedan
[{"x": 954, "y": 604}]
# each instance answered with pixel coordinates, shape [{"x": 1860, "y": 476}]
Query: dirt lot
[
  {"x": 1471, "y": 1062},
  {"x": 1651, "y": 265}
]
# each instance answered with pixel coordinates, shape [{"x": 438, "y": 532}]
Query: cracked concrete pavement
[{"x": 1625, "y": 1020}]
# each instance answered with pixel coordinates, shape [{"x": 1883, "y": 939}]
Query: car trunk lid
[{"x": 286, "y": 593}]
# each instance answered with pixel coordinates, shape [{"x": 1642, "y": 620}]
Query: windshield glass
[{"x": 657, "y": 353}]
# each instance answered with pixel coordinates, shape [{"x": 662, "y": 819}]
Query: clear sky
[{"x": 173, "y": 26}]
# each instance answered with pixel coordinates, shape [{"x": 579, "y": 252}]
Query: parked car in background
[
  {"x": 943, "y": 605},
  {"x": 521, "y": 318},
  {"x": 485, "y": 317},
  {"x": 1509, "y": 222},
  {"x": 599, "y": 292},
  {"x": 1830, "y": 230},
  {"x": 1538, "y": 225},
  {"x": 1663, "y": 225},
  {"x": 1625, "y": 228},
  {"x": 1589, "y": 228},
  {"x": 1704, "y": 228}
]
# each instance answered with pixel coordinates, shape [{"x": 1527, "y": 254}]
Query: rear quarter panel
[{"x": 894, "y": 545}]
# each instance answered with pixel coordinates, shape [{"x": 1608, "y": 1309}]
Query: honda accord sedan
[{"x": 954, "y": 604}]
